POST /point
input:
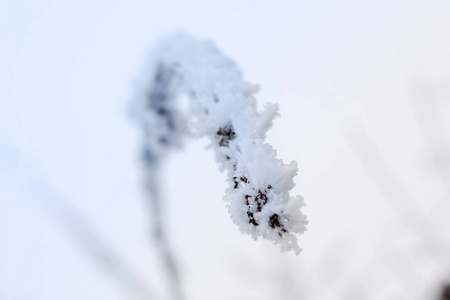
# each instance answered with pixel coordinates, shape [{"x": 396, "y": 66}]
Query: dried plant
[{"x": 223, "y": 108}]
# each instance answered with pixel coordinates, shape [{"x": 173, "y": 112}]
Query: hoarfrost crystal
[{"x": 223, "y": 108}]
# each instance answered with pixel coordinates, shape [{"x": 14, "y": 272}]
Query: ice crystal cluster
[{"x": 223, "y": 108}]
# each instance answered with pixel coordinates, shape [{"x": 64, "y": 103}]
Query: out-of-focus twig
[
  {"x": 434, "y": 133},
  {"x": 159, "y": 232},
  {"x": 19, "y": 170},
  {"x": 437, "y": 137},
  {"x": 353, "y": 280},
  {"x": 397, "y": 196}
]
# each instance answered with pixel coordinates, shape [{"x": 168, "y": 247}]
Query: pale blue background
[{"x": 338, "y": 69}]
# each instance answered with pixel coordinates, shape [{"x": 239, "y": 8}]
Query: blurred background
[{"x": 364, "y": 95}]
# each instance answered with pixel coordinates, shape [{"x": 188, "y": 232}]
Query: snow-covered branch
[{"x": 223, "y": 108}]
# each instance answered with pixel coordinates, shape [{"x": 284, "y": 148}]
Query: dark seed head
[{"x": 274, "y": 222}]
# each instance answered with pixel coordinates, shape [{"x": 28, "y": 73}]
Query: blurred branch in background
[
  {"x": 404, "y": 204},
  {"x": 435, "y": 134},
  {"x": 397, "y": 196},
  {"x": 419, "y": 223},
  {"x": 159, "y": 232},
  {"x": 158, "y": 98},
  {"x": 20, "y": 171}
]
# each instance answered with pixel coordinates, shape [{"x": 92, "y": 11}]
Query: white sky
[{"x": 338, "y": 69}]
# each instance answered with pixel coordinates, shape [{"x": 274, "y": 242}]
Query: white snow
[{"x": 224, "y": 109}]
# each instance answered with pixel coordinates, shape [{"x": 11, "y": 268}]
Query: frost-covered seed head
[{"x": 223, "y": 108}]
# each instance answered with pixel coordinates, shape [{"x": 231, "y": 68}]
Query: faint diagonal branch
[
  {"x": 354, "y": 279},
  {"x": 28, "y": 179},
  {"x": 397, "y": 196},
  {"x": 434, "y": 132}
]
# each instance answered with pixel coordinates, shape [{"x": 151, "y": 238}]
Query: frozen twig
[{"x": 223, "y": 108}]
